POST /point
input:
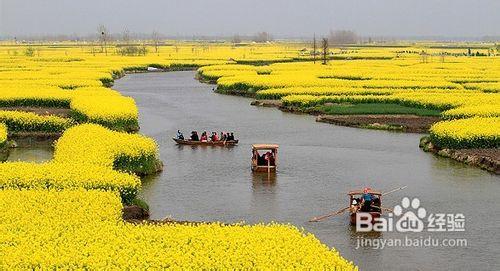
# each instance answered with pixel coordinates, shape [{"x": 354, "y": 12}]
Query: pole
[
  {"x": 318, "y": 218},
  {"x": 268, "y": 164},
  {"x": 394, "y": 190}
]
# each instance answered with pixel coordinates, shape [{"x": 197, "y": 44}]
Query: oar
[
  {"x": 394, "y": 190},
  {"x": 382, "y": 209},
  {"x": 318, "y": 218}
]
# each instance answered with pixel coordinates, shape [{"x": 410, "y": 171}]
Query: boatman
[{"x": 366, "y": 199}]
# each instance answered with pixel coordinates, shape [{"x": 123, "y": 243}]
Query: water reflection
[
  {"x": 263, "y": 180},
  {"x": 32, "y": 154}
]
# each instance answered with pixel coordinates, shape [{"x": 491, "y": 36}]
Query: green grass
[{"x": 374, "y": 108}]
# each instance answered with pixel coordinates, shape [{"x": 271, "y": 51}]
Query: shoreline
[
  {"x": 486, "y": 159},
  {"x": 407, "y": 123},
  {"x": 398, "y": 123}
]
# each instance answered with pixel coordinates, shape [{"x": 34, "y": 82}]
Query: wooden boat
[
  {"x": 375, "y": 211},
  {"x": 205, "y": 143},
  {"x": 270, "y": 164}
]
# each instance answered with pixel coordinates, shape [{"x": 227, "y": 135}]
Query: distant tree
[
  {"x": 314, "y": 48},
  {"x": 155, "y": 36},
  {"x": 262, "y": 37},
  {"x": 132, "y": 50},
  {"x": 236, "y": 39},
  {"x": 343, "y": 37},
  {"x": 126, "y": 36},
  {"x": 425, "y": 56},
  {"x": 324, "y": 45},
  {"x": 103, "y": 34}
]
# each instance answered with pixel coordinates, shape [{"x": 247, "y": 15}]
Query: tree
[
  {"x": 103, "y": 36},
  {"x": 236, "y": 39},
  {"x": 314, "y": 48},
  {"x": 156, "y": 41},
  {"x": 324, "y": 45},
  {"x": 425, "y": 56},
  {"x": 262, "y": 37},
  {"x": 126, "y": 36},
  {"x": 343, "y": 37}
]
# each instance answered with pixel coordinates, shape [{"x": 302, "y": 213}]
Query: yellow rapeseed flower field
[
  {"x": 473, "y": 132},
  {"x": 79, "y": 229},
  {"x": 65, "y": 213},
  {"x": 462, "y": 88}
]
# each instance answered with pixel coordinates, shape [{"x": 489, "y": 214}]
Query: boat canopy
[{"x": 265, "y": 146}]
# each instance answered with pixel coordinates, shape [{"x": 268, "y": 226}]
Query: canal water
[{"x": 318, "y": 164}]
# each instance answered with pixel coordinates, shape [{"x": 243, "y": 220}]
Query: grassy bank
[{"x": 372, "y": 109}]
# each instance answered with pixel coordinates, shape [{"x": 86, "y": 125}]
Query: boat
[
  {"x": 206, "y": 143},
  {"x": 263, "y": 163},
  {"x": 375, "y": 210}
]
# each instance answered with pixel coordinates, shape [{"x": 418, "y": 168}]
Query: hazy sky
[{"x": 279, "y": 17}]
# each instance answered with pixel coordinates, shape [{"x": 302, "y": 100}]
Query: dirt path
[{"x": 404, "y": 123}]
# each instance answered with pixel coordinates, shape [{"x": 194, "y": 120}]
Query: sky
[{"x": 282, "y": 18}]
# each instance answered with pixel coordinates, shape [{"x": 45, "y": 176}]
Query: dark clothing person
[
  {"x": 261, "y": 159},
  {"x": 367, "y": 202},
  {"x": 194, "y": 136}
]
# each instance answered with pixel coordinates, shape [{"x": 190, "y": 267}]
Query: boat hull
[
  {"x": 263, "y": 169},
  {"x": 374, "y": 217},
  {"x": 207, "y": 143}
]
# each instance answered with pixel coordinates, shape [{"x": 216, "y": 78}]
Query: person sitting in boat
[
  {"x": 269, "y": 157},
  {"x": 354, "y": 205},
  {"x": 180, "y": 135},
  {"x": 223, "y": 136},
  {"x": 230, "y": 137},
  {"x": 261, "y": 159},
  {"x": 204, "y": 137},
  {"x": 194, "y": 136},
  {"x": 366, "y": 200},
  {"x": 214, "y": 137}
]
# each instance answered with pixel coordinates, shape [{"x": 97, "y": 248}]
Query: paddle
[
  {"x": 394, "y": 190},
  {"x": 318, "y": 218},
  {"x": 382, "y": 209},
  {"x": 387, "y": 209}
]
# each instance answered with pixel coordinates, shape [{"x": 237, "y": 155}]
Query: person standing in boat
[{"x": 366, "y": 200}]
